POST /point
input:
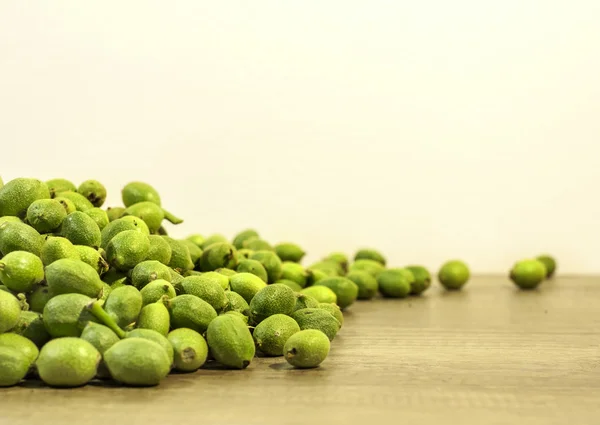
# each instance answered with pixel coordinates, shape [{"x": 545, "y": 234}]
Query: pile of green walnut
[{"x": 91, "y": 293}]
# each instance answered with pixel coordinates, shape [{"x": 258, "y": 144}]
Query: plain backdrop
[{"x": 431, "y": 130}]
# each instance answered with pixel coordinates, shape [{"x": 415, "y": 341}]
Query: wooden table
[{"x": 487, "y": 355}]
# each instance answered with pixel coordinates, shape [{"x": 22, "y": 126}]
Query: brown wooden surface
[{"x": 487, "y": 355}]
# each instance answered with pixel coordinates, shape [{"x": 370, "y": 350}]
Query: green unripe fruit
[
  {"x": 126, "y": 249},
  {"x": 81, "y": 229},
  {"x": 176, "y": 279},
  {"x": 21, "y": 344},
  {"x": 196, "y": 239},
  {"x": 292, "y": 285},
  {"x": 317, "y": 318},
  {"x": 31, "y": 326},
  {"x": 115, "y": 276},
  {"x": 244, "y": 254},
  {"x": 528, "y": 274},
  {"x": 422, "y": 279},
  {"x": 240, "y": 238},
  {"x": 272, "y": 299},
  {"x": 216, "y": 277},
  {"x": 136, "y": 192},
  {"x": 120, "y": 225},
  {"x": 155, "y": 316},
  {"x": 395, "y": 283},
  {"x": 306, "y": 301},
  {"x": 159, "y": 250},
  {"x": 114, "y": 213},
  {"x": 366, "y": 265},
  {"x": 212, "y": 239},
  {"x": 156, "y": 290},
  {"x": 367, "y": 284},
  {"x": 270, "y": 262},
  {"x": 55, "y": 248},
  {"x": 206, "y": 289},
  {"x": 252, "y": 266},
  {"x": 237, "y": 303},
  {"x": 123, "y": 305},
  {"x": 93, "y": 191},
  {"x": 256, "y": 244},
  {"x": 190, "y": 349},
  {"x": 137, "y": 362},
  {"x": 246, "y": 284},
  {"x": 46, "y": 215},
  {"x": 181, "y": 259},
  {"x": 14, "y": 365},
  {"x": 322, "y": 294},
  {"x": 38, "y": 298},
  {"x": 294, "y": 272},
  {"x": 230, "y": 341},
  {"x": 19, "y": 237},
  {"x": 225, "y": 272},
  {"x": 60, "y": 185},
  {"x": 315, "y": 275},
  {"x": 453, "y": 275},
  {"x": 67, "y": 315},
  {"x": 307, "y": 348},
  {"x": 68, "y": 362},
  {"x": 238, "y": 315},
  {"x": 340, "y": 259},
  {"x": 102, "y": 338},
  {"x": 195, "y": 251},
  {"x": 151, "y": 213},
  {"x": 93, "y": 257},
  {"x": 370, "y": 254},
  {"x": 189, "y": 311},
  {"x": 334, "y": 310},
  {"x": 20, "y": 271},
  {"x": 550, "y": 264},
  {"x": 289, "y": 252},
  {"x": 10, "y": 310},
  {"x": 147, "y": 271},
  {"x": 272, "y": 333},
  {"x": 155, "y": 336},
  {"x": 218, "y": 255},
  {"x": 18, "y": 194},
  {"x": 81, "y": 202},
  {"x": 99, "y": 216},
  {"x": 67, "y": 276},
  {"x": 328, "y": 267},
  {"x": 67, "y": 204},
  {"x": 10, "y": 218},
  {"x": 345, "y": 290}
]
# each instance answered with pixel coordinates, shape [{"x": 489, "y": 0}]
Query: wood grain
[{"x": 487, "y": 355}]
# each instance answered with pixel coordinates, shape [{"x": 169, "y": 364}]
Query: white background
[{"x": 430, "y": 129}]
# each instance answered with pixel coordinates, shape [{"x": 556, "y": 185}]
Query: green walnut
[
  {"x": 395, "y": 283},
  {"x": 230, "y": 341},
  {"x": 306, "y": 349},
  {"x": 367, "y": 284},
  {"x": 272, "y": 333},
  {"x": 453, "y": 275},
  {"x": 550, "y": 264},
  {"x": 68, "y": 362},
  {"x": 370, "y": 254},
  {"x": 289, "y": 252},
  {"x": 345, "y": 290},
  {"x": 46, "y": 215},
  {"x": 18, "y": 194},
  {"x": 20, "y": 271},
  {"x": 93, "y": 191},
  {"x": 528, "y": 274}
]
